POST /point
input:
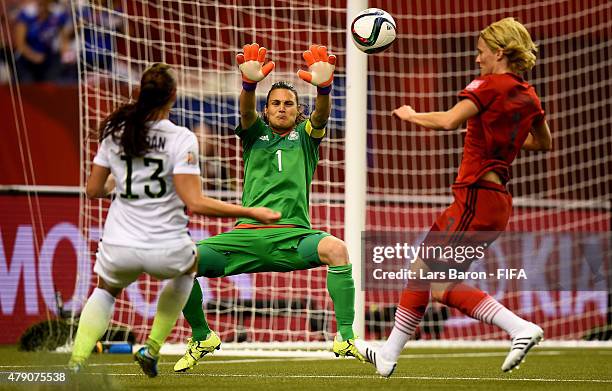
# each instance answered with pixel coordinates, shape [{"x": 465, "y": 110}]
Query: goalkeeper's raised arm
[
  {"x": 251, "y": 65},
  {"x": 321, "y": 67}
]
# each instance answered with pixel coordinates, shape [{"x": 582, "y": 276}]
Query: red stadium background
[{"x": 39, "y": 257}]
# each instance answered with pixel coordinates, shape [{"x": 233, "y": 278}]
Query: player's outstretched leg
[
  {"x": 93, "y": 322},
  {"x": 408, "y": 315},
  {"x": 479, "y": 305},
  {"x": 171, "y": 301},
  {"x": 203, "y": 340},
  {"x": 341, "y": 288}
]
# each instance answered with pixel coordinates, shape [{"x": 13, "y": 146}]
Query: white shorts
[{"x": 119, "y": 266}]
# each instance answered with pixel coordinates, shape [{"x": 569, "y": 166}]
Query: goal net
[{"x": 409, "y": 169}]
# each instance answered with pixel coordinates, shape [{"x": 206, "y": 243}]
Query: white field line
[
  {"x": 284, "y": 359},
  {"x": 260, "y": 348},
  {"x": 447, "y": 378},
  {"x": 161, "y": 363},
  {"x": 405, "y": 356}
]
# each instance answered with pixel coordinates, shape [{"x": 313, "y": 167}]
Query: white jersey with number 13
[{"x": 146, "y": 211}]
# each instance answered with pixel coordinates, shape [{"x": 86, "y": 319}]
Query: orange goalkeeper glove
[
  {"x": 251, "y": 64},
  {"x": 321, "y": 66}
]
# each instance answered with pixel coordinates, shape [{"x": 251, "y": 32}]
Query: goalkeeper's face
[{"x": 282, "y": 109}]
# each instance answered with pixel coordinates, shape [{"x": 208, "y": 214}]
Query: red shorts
[{"x": 477, "y": 216}]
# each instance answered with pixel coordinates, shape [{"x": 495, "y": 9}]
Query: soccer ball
[{"x": 373, "y": 30}]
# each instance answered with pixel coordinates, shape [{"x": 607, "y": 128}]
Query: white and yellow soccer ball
[{"x": 373, "y": 30}]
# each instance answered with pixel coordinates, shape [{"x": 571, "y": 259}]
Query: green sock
[
  {"x": 94, "y": 320},
  {"x": 341, "y": 288},
  {"x": 194, "y": 314},
  {"x": 171, "y": 301}
]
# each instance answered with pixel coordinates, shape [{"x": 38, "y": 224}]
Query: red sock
[
  {"x": 479, "y": 305},
  {"x": 410, "y": 311},
  {"x": 415, "y": 300},
  {"x": 467, "y": 299},
  {"x": 407, "y": 317}
]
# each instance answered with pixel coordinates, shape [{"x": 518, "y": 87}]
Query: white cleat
[
  {"x": 525, "y": 339},
  {"x": 383, "y": 366}
]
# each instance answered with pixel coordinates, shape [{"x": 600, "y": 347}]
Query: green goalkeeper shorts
[{"x": 259, "y": 250}]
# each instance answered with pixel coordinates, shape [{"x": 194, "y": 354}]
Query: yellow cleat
[
  {"x": 347, "y": 349},
  {"x": 196, "y": 350}
]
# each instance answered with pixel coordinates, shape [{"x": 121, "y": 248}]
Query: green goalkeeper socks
[
  {"x": 341, "y": 288},
  {"x": 194, "y": 314}
]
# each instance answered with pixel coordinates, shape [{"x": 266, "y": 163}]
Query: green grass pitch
[{"x": 419, "y": 369}]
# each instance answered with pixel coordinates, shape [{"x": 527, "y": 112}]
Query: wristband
[
  {"x": 324, "y": 90},
  {"x": 248, "y": 86},
  {"x": 321, "y": 128}
]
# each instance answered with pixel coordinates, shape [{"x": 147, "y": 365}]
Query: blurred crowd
[
  {"x": 38, "y": 39},
  {"x": 38, "y": 44}
]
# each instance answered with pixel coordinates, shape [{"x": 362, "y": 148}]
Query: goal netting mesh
[{"x": 409, "y": 169}]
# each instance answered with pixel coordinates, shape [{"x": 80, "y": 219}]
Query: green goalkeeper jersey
[{"x": 278, "y": 170}]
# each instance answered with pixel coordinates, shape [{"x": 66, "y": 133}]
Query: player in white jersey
[{"x": 152, "y": 166}]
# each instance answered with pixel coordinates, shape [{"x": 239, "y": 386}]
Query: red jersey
[{"x": 508, "y": 108}]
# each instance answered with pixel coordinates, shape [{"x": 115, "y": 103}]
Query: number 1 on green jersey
[{"x": 280, "y": 160}]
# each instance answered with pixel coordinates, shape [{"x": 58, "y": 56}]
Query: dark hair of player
[
  {"x": 127, "y": 124},
  {"x": 286, "y": 86}
]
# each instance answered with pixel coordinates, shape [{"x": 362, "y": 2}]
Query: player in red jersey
[{"x": 503, "y": 114}]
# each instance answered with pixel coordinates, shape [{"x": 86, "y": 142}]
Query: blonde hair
[{"x": 514, "y": 40}]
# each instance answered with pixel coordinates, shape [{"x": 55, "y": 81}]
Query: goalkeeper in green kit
[{"x": 281, "y": 152}]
